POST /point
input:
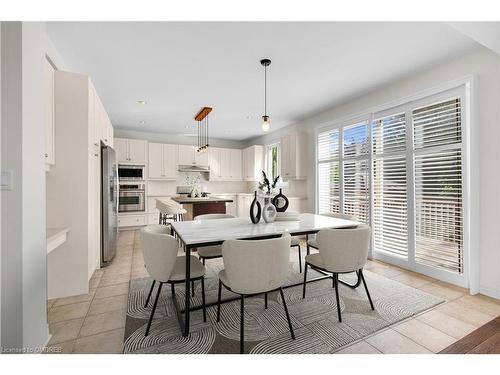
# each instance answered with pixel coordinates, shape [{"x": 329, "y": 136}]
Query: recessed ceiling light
[
  {"x": 142, "y": 122},
  {"x": 141, "y": 102}
]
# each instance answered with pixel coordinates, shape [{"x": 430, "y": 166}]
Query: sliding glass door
[{"x": 401, "y": 171}]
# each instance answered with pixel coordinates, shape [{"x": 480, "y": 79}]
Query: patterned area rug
[{"x": 314, "y": 318}]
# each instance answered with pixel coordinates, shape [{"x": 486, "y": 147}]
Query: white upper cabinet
[
  {"x": 121, "y": 149},
  {"x": 189, "y": 156},
  {"x": 162, "y": 161},
  {"x": 214, "y": 164},
  {"x": 293, "y": 156},
  {"x": 225, "y": 164},
  {"x": 131, "y": 151},
  {"x": 137, "y": 151},
  {"x": 253, "y": 163},
  {"x": 235, "y": 164},
  {"x": 49, "y": 115}
]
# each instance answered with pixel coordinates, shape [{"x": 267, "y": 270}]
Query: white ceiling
[{"x": 180, "y": 67}]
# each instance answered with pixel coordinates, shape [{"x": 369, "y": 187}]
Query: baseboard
[{"x": 490, "y": 292}]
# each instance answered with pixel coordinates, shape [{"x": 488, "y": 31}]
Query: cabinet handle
[
  {"x": 96, "y": 144},
  {"x": 46, "y": 155},
  {"x": 96, "y": 155}
]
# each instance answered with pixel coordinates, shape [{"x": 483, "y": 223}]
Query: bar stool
[{"x": 169, "y": 209}]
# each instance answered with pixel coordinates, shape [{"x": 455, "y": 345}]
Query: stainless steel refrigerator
[{"x": 109, "y": 204}]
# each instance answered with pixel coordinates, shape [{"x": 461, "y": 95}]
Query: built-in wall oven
[
  {"x": 132, "y": 197},
  {"x": 131, "y": 172}
]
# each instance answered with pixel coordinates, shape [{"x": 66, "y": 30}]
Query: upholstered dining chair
[
  {"x": 254, "y": 267},
  {"x": 164, "y": 266},
  {"x": 340, "y": 251},
  {"x": 295, "y": 242},
  {"x": 311, "y": 241},
  {"x": 211, "y": 252}
]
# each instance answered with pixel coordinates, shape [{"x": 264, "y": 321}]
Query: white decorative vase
[{"x": 269, "y": 211}]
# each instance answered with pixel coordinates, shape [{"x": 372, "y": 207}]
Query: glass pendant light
[{"x": 266, "y": 122}]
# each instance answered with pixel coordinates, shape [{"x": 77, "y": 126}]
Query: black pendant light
[{"x": 266, "y": 123}]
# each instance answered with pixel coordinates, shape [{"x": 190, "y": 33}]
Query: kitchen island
[{"x": 202, "y": 206}]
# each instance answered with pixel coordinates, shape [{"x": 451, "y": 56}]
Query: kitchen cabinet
[
  {"x": 131, "y": 220},
  {"x": 225, "y": 164},
  {"x": 215, "y": 164},
  {"x": 49, "y": 115},
  {"x": 162, "y": 161},
  {"x": 131, "y": 151},
  {"x": 293, "y": 156},
  {"x": 235, "y": 164},
  {"x": 243, "y": 205},
  {"x": 253, "y": 163},
  {"x": 189, "y": 156}
]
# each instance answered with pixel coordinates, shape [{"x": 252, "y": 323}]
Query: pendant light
[
  {"x": 202, "y": 118},
  {"x": 266, "y": 123}
]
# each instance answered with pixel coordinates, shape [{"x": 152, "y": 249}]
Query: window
[
  {"x": 343, "y": 177},
  {"x": 438, "y": 185},
  {"x": 273, "y": 161},
  {"x": 401, "y": 171},
  {"x": 356, "y": 193},
  {"x": 390, "y": 203},
  {"x": 329, "y": 172}
]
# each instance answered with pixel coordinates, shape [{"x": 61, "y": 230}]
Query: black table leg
[{"x": 187, "y": 292}]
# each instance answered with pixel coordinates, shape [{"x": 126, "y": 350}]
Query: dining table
[{"x": 199, "y": 233}]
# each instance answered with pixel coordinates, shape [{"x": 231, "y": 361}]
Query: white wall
[
  {"x": 485, "y": 65},
  {"x": 24, "y": 312}
]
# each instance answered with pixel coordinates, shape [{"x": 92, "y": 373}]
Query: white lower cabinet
[
  {"x": 131, "y": 220},
  {"x": 153, "y": 218}
]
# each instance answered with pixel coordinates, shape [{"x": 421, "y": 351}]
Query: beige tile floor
[{"x": 95, "y": 322}]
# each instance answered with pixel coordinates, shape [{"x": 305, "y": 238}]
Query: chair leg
[
  {"x": 287, "y": 314},
  {"x": 218, "y": 301},
  {"x": 203, "y": 299},
  {"x": 150, "y": 292},
  {"x": 265, "y": 300},
  {"x": 300, "y": 260},
  {"x": 305, "y": 279},
  {"x": 336, "y": 281},
  {"x": 360, "y": 272},
  {"x": 154, "y": 309},
  {"x": 192, "y": 288},
  {"x": 242, "y": 325},
  {"x": 172, "y": 289},
  {"x": 203, "y": 260}
]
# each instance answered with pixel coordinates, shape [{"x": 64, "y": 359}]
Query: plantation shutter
[
  {"x": 328, "y": 172},
  {"x": 390, "y": 201},
  {"x": 356, "y": 172},
  {"x": 438, "y": 185}
]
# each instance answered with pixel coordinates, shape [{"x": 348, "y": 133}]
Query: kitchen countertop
[{"x": 187, "y": 200}]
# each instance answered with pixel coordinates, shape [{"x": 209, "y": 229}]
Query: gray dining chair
[
  {"x": 340, "y": 251},
  {"x": 254, "y": 267},
  {"x": 311, "y": 240},
  {"x": 215, "y": 251},
  {"x": 165, "y": 267}
]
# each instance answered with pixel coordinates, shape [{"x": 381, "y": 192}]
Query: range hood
[{"x": 193, "y": 168}]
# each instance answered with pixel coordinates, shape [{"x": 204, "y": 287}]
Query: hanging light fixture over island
[
  {"x": 266, "y": 123},
  {"x": 202, "y": 118}
]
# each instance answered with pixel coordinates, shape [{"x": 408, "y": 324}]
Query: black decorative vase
[
  {"x": 255, "y": 218},
  {"x": 276, "y": 202}
]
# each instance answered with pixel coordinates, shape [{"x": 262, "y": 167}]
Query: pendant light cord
[{"x": 265, "y": 90}]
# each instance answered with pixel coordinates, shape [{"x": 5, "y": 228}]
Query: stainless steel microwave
[{"x": 131, "y": 172}]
